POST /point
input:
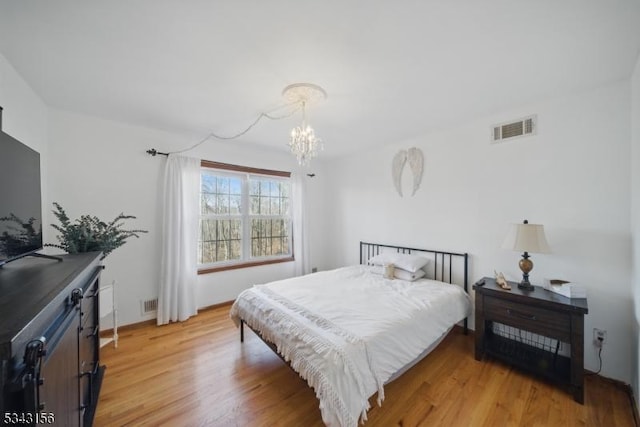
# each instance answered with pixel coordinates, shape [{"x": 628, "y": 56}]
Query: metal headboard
[{"x": 442, "y": 263}]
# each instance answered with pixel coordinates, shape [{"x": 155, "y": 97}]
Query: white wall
[
  {"x": 573, "y": 177},
  {"x": 25, "y": 117},
  {"x": 100, "y": 168},
  {"x": 635, "y": 227}
]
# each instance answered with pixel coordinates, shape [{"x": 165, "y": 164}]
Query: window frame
[{"x": 232, "y": 265}]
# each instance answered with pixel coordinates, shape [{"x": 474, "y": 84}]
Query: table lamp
[{"x": 528, "y": 238}]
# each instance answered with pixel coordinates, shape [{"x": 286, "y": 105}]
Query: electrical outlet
[{"x": 599, "y": 337}]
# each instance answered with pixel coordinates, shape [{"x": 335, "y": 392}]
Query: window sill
[{"x": 208, "y": 270}]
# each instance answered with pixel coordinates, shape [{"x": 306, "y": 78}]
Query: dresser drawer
[{"x": 538, "y": 320}]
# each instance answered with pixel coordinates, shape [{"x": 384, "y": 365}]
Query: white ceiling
[{"x": 392, "y": 70}]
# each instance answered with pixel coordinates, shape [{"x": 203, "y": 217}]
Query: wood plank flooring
[{"x": 197, "y": 373}]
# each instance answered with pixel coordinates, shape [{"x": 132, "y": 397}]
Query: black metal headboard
[{"x": 442, "y": 263}]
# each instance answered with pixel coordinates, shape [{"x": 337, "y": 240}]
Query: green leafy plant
[{"x": 88, "y": 233}]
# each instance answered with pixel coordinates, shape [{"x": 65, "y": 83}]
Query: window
[{"x": 245, "y": 217}]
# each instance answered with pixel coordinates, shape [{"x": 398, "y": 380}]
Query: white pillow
[
  {"x": 407, "y": 262},
  {"x": 401, "y": 274}
]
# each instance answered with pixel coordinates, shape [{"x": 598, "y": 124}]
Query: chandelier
[{"x": 303, "y": 143}]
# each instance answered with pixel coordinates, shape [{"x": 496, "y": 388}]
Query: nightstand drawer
[{"x": 533, "y": 319}]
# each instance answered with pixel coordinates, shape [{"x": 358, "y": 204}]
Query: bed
[{"x": 351, "y": 330}]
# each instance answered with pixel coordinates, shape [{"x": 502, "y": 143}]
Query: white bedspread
[{"x": 347, "y": 331}]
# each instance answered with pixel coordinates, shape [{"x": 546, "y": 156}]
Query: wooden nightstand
[{"x": 526, "y": 328}]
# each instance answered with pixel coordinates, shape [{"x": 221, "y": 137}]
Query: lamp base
[
  {"x": 526, "y": 265},
  {"x": 526, "y": 286}
]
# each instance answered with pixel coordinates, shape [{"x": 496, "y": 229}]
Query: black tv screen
[{"x": 20, "y": 200}]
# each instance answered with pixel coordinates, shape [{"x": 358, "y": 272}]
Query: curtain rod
[{"x": 153, "y": 152}]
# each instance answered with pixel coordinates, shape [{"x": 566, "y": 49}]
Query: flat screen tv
[{"x": 20, "y": 199}]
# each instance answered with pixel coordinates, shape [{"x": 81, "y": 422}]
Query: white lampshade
[{"x": 526, "y": 238}]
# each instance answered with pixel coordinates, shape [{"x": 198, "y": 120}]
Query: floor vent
[
  {"x": 149, "y": 306},
  {"x": 522, "y": 127}
]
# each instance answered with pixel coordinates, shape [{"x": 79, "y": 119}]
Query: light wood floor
[{"x": 197, "y": 373}]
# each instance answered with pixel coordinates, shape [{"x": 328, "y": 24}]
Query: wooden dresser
[{"x": 528, "y": 329}]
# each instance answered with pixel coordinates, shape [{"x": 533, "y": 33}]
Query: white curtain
[
  {"x": 179, "y": 271},
  {"x": 301, "y": 247}
]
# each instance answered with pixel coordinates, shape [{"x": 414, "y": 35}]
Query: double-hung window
[{"x": 245, "y": 217}]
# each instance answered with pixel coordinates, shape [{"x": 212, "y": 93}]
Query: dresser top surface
[
  {"x": 29, "y": 285},
  {"x": 539, "y": 296}
]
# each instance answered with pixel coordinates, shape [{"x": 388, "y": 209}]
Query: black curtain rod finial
[{"x": 153, "y": 152}]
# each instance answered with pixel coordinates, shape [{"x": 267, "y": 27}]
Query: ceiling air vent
[{"x": 522, "y": 127}]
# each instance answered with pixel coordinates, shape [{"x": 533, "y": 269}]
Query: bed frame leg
[
  {"x": 466, "y": 327},
  {"x": 242, "y": 330}
]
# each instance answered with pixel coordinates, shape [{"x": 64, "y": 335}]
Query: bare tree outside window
[
  {"x": 270, "y": 227},
  {"x": 244, "y": 217}
]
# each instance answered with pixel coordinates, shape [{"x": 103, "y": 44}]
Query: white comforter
[{"x": 347, "y": 331}]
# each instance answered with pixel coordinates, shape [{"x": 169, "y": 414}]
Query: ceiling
[{"x": 392, "y": 70}]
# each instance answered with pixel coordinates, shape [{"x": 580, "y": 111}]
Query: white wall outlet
[{"x": 599, "y": 337}]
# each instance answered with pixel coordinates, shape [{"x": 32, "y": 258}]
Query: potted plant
[{"x": 89, "y": 233}]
